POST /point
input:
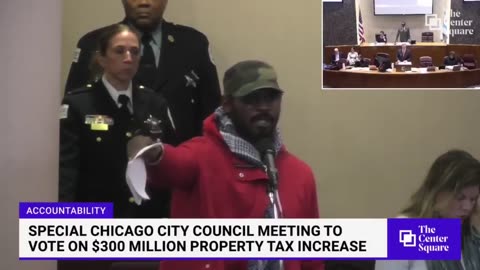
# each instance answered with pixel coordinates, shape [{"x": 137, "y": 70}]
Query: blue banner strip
[
  {"x": 65, "y": 210},
  {"x": 424, "y": 239},
  {"x": 194, "y": 259}
]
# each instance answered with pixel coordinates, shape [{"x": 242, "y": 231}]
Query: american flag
[
  {"x": 361, "y": 33},
  {"x": 445, "y": 31}
]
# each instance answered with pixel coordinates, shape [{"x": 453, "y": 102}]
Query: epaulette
[
  {"x": 172, "y": 29},
  {"x": 144, "y": 88},
  {"x": 82, "y": 89},
  {"x": 185, "y": 28}
]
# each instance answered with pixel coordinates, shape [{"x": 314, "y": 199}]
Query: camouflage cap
[{"x": 248, "y": 76}]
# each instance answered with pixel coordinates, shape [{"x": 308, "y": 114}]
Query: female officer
[{"x": 96, "y": 122}]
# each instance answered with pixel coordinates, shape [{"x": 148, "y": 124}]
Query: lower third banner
[{"x": 47, "y": 233}]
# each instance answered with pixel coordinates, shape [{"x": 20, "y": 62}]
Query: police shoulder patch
[
  {"x": 64, "y": 111},
  {"x": 210, "y": 54},
  {"x": 76, "y": 55}
]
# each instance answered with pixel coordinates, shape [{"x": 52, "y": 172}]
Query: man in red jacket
[{"x": 221, "y": 174}]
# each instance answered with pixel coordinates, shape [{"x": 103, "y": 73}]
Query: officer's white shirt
[{"x": 115, "y": 93}]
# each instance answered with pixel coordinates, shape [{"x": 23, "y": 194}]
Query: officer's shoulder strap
[{"x": 83, "y": 89}]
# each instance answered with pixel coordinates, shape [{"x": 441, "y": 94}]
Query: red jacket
[{"x": 209, "y": 181}]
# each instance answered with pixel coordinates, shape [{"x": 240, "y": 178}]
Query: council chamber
[{"x": 401, "y": 44}]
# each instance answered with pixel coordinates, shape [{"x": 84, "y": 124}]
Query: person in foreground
[
  {"x": 221, "y": 174},
  {"x": 450, "y": 190},
  {"x": 98, "y": 120},
  {"x": 175, "y": 62}
]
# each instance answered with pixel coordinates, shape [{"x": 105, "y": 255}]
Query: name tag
[
  {"x": 99, "y": 127},
  {"x": 99, "y": 122}
]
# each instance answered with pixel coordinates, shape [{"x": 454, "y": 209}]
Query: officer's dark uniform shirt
[
  {"x": 93, "y": 138},
  {"x": 185, "y": 75}
]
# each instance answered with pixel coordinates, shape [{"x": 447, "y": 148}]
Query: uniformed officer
[
  {"x": 175, "y": 62},
  {"x": 98, "y": 120}
]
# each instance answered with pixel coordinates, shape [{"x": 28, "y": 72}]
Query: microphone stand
[{"x": 272, "y": 191}]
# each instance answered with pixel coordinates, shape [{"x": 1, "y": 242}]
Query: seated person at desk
[
  {"x": 352, "y": 57},
  {"x": 361, "y": 62},
  {"x": 451, "y": 59},
  {"x": 336, "y": 56},
  {"x": 404, "y": 54},
  {"x": 381, "y": 38},
  {"x": 404, "y": 33}
]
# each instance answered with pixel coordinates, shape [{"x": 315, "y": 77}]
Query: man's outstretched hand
[{"x": 139, "y": 142}]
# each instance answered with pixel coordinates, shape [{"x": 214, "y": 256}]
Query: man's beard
[{"x": 244, "y": 132}]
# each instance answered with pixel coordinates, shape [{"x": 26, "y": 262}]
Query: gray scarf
[
  {"x": 246, "y": 151},
  {"x": 238, "y": 145}
]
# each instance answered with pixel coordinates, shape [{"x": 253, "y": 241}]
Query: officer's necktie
[
  {"x": 265, "y": 264},
  {"x": 124, "y": 114},
  {"x": 148, "y": 67}
]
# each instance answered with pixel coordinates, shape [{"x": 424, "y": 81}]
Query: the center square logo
[
  {"x": 424, "y": 239},
  {"x": 408, "y": 238}
]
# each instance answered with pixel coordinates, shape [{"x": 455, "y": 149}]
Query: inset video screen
[{"x": 404, "y": 7}]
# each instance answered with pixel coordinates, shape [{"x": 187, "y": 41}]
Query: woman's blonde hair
[{"x": 451, "y": 172}]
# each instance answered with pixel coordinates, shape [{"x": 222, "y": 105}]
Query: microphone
[{"x": 266, "y": 149}]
